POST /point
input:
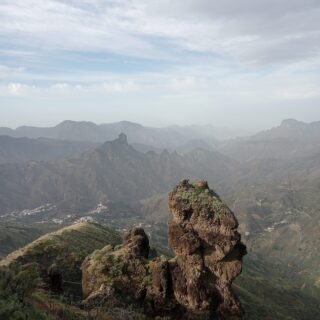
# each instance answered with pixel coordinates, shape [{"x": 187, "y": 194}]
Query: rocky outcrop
[
  {"x": 203, "y": 234},
  {"x": 196, "y": 283},
  {"x": 122, "y": 271},
  {"x": 136, "y": 243}
]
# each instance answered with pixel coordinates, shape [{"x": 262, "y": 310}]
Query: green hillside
[
  {"x": 268, "y": 291},
  {"x": 15, "y": 235},
  {"x": 25, "y": 284},
  {"x": 78, "y": 240}
]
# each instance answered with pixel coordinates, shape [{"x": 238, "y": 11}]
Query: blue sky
[{"x": 245, "y": 64}]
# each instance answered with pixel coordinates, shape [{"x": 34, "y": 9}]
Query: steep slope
[
  {"x": 278, "y": 206},
  {"x": 276, "y": 195},
  {"x": 291, "y": 139},
  {"x": 58, "y": 255},
  {"x": 14, "y": 236},
  {"x": 43, "y": 279},
  {"x": 15, "y": 150},
  {"x": 267, "y": 292}
]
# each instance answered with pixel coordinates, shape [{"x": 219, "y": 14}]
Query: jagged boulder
[
  {"x": 136, "y": 243},
  {"x": 196, "y": 283},
  {"x": 203, "y": 234}
]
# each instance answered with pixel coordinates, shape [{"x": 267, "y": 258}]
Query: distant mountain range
[
  {"x": 291, "y": 139},
  {"x": 168, "y": 137},
  {"x": 112, "y": 172}
]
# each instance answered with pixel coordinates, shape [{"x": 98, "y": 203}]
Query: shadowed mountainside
[
  {"x": 112, "y": 172},
  {"x": 15, "y": 150}
]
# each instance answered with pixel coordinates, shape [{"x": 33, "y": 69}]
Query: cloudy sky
[{"x": 245, "y": 64}]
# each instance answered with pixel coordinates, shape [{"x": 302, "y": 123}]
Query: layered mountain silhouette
[
  {"x": 291, "y": 139},
  {"x": 168, "y": 137},
  {"x": 114, "y": 171}
]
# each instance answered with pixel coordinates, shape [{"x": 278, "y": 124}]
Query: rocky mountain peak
[
  {"x": 117, "y": 144},
  {"x": 122, "y": 138}
]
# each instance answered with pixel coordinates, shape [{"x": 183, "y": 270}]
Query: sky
[{"x": 244, "y": 64}]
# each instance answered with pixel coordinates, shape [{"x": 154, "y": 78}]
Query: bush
[{"x": 16, "y": 285}]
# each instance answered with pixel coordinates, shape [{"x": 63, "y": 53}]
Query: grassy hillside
[
  {"x": 269, "y": 291},
  {"x": 78, "y": 239},
  {"x": 15, "y": 235},
  {"x": 63, "y": 251},
  {"x": 66, "y": 249}
]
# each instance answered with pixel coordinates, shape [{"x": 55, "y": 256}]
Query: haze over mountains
[
  {"x": 271, "y": 180},
  {"x": 169, "y": 137},
  {"x": 112, "y": 172},
  {"x": 291, "y": 139},
  {"x": 24, "y": 149}
]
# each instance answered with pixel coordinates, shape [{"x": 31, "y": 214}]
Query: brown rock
[
  {"x": 196, "y": 283},
  {"x": 136, "y": 243},
  {"x": 203, "y": 234},
  {"x": 124, "y": 270}
]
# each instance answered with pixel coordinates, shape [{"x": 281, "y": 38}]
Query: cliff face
[{"x": 196, "y": 283}]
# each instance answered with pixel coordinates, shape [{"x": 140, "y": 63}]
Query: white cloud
[
  {"x": 67, "y": 89},
  {"x": 251, "y": 31},
  {"x": 6, "y": 71},
  {"x": 210, "y": 54}
]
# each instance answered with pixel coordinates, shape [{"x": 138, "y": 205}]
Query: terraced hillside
[
  {"x": 79, "y": 239},
  {"x": 16, "y": 235}
]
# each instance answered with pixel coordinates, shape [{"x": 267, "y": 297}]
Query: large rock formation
[
  {"x": 203, "y": 234},
  {"x": 196, "y": 283}
]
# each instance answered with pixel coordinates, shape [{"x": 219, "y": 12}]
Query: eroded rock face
[
  {"x": 196, "y": 283},
  {"x": 136, "y": 243},
  {"x": 119, "y": 271},
  {"x": 203, "y": 234}
]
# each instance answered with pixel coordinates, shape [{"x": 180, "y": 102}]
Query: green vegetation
[
  {"x": 14, "y": 235},
  {"x": 74, "y": 242},
  {"x": 267, "y": 292},
  {"x": 57, "y": 307},
  {"x": 66, "y": 249},
  {"x": 17, "y": 285},
  {"x": 202, "y": 196}
]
